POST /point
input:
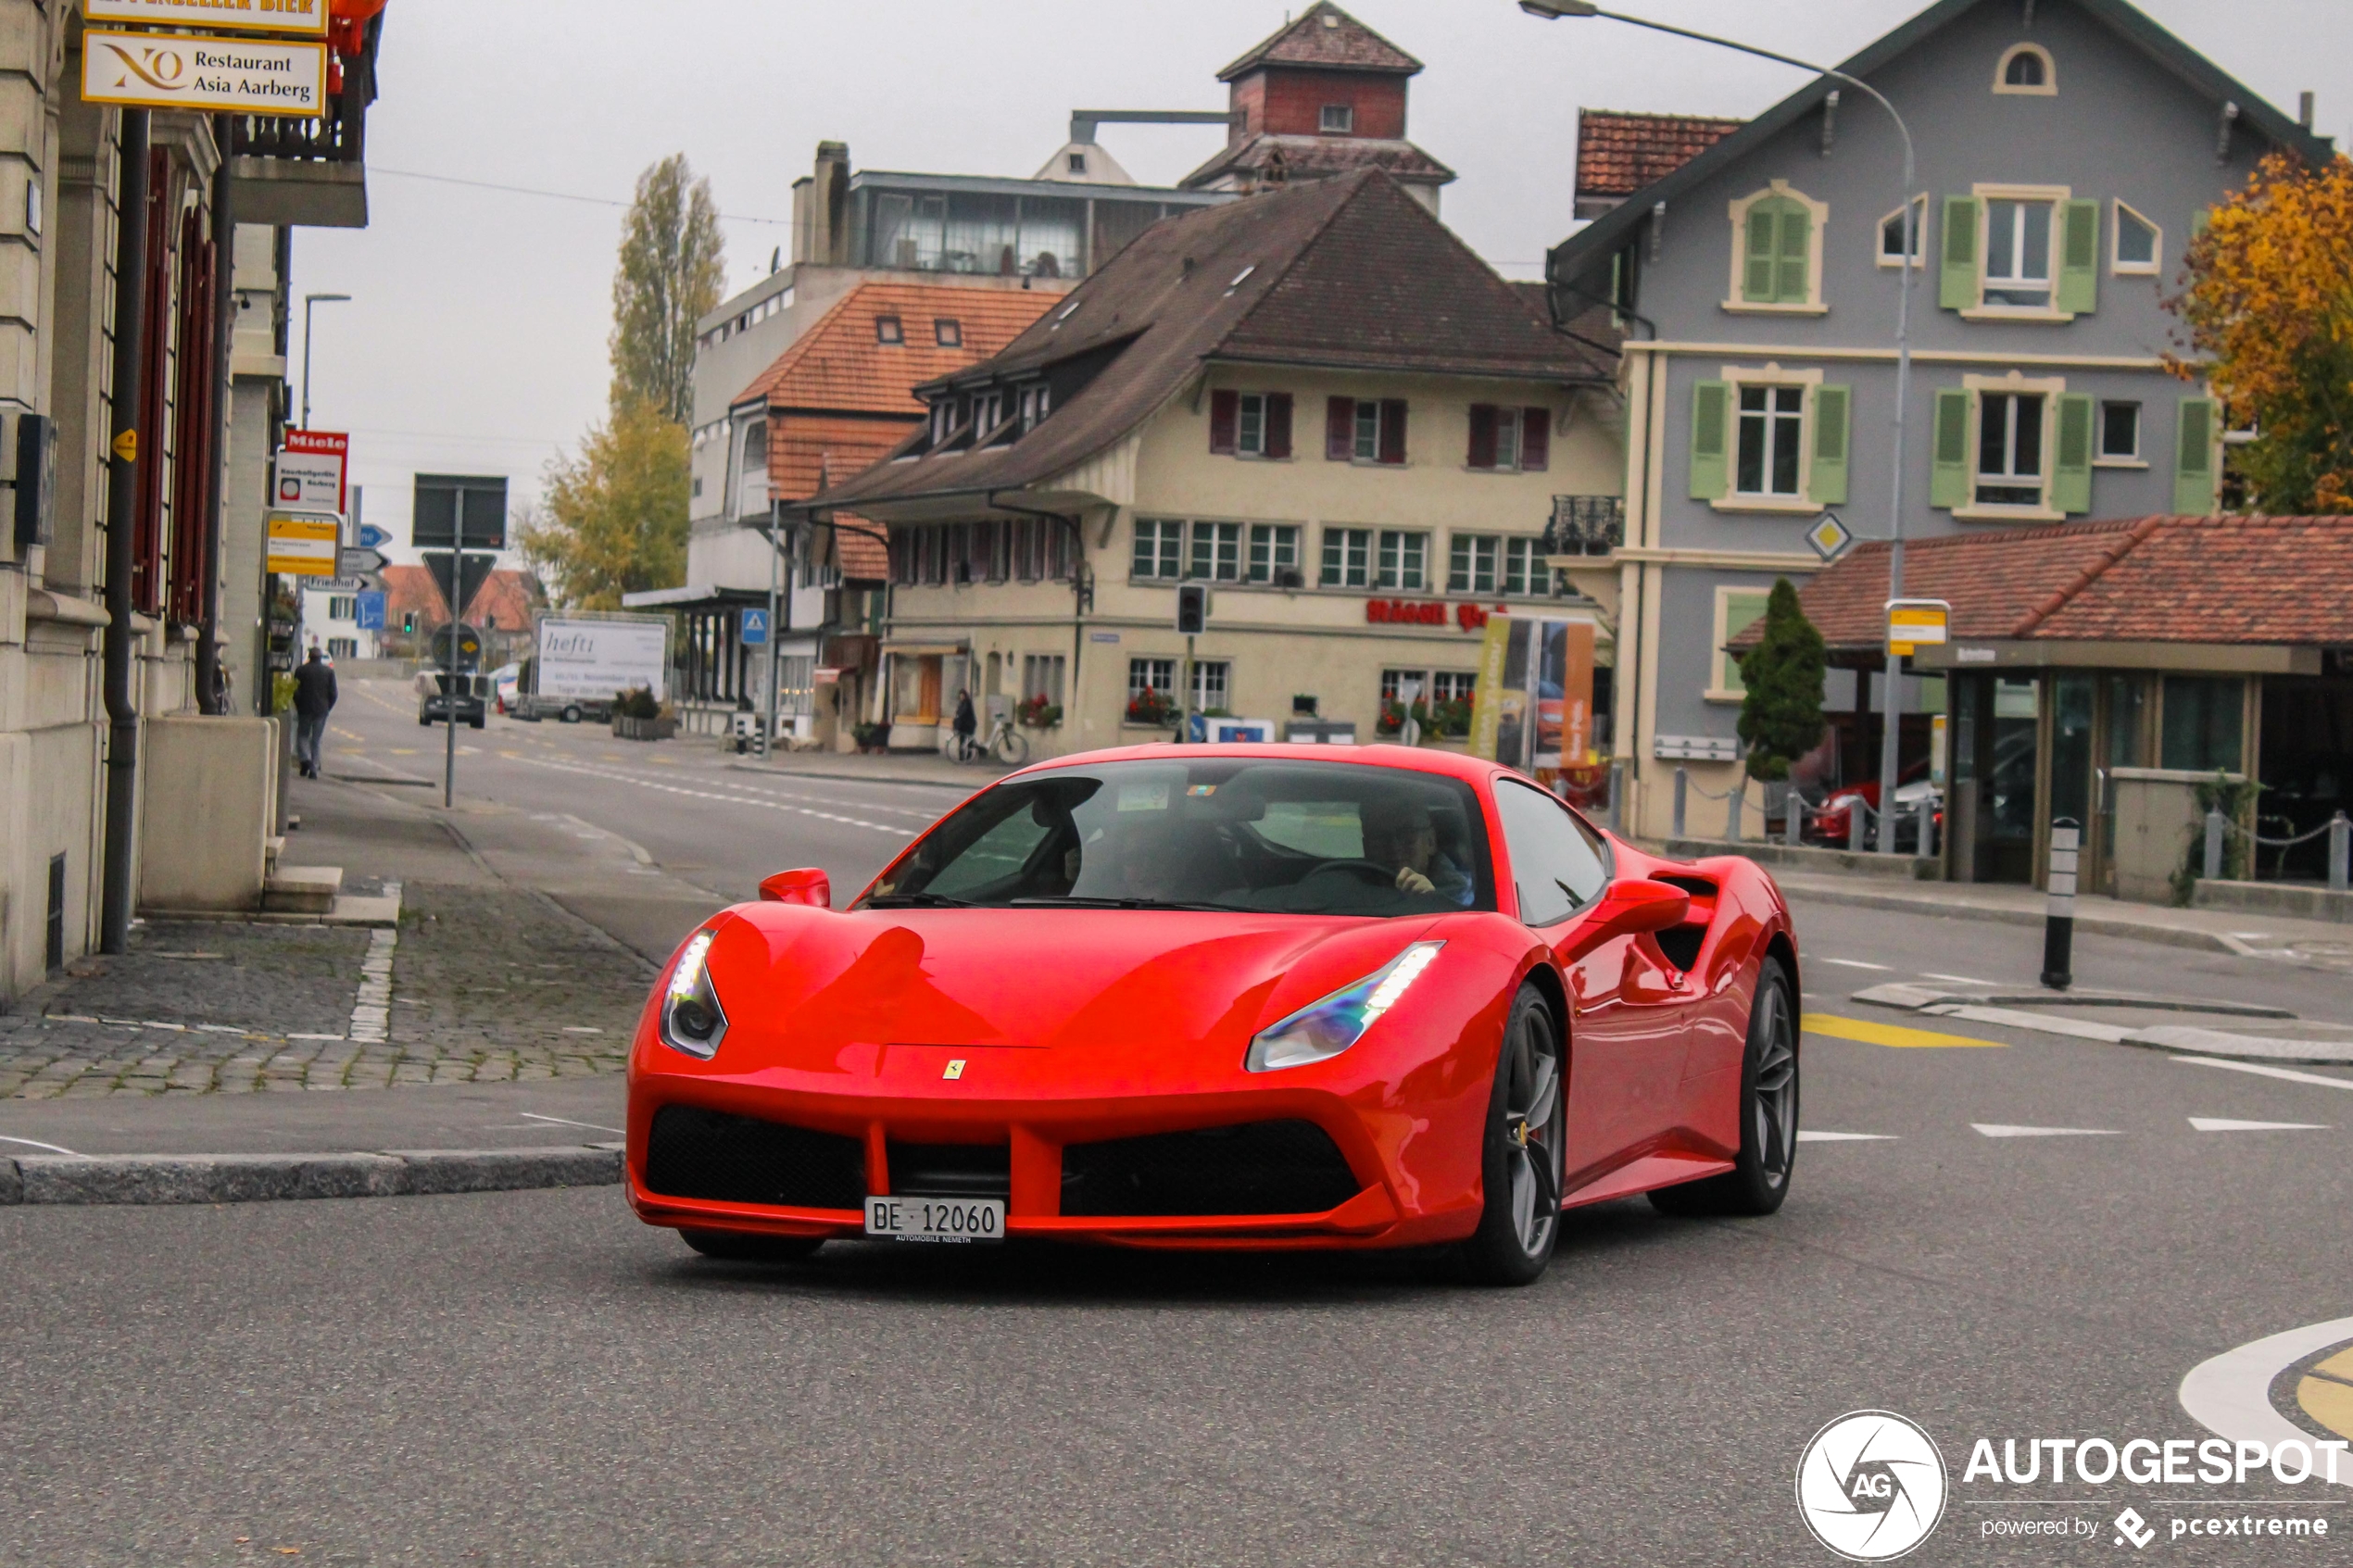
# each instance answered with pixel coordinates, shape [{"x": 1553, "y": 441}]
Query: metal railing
[
  {"x": 1585, "y": 525},
  {"x": 1861, "y": 816},
  {"x": 2220, "y": 827}
]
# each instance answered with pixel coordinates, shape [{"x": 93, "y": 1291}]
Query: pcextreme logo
[{"x": 1871, "y": 1486}]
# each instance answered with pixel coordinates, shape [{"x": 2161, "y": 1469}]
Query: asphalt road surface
[{"x": 536, "y": 1377}]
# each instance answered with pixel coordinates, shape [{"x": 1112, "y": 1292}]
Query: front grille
[
  {"x": 951, "y": 1170},
  {"x": 724, "y": 1159},
  {"x": 1258, "y": 1168}
]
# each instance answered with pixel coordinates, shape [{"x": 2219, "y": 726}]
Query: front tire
[
  {"x": 1012, "y": 748},
  {"x": 1523, "y": 1151},
  {"x": 741, "y": 1247},
  {"x": 1759, "y": 1180}
]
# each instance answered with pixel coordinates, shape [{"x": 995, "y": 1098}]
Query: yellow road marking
[
  {"x": 2339, "y": 1366},
  {"x": 1873, "y": 1034},
  {"x": 2328, "y": 1403}
]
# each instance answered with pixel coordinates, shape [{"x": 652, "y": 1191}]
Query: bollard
[
  {"x": 1618, "y": 795},
  {"x": 1854, "y": 810},
  {"x": 1796, "y": 821},
  {"x": 1732, "y": 811},
  {"x": 2340, "y": 848},
  {"x": 2059, "y": 926},
  {"x": 2212, "y": 869},
  {"x": 1682, "y": 788}
]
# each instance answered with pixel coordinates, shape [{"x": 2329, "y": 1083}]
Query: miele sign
[{"x": 306, "y": 17}]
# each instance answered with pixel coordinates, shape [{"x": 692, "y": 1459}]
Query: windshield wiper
[
  {"x": 918, "y": 901},
  {"x": 1097, "y": 903}
]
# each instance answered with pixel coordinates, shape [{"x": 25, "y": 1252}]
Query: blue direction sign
[
  {"x": 755, "y": 628},
  {"x": 368, "y": 610},
  {"x": 371, "y": 537}
]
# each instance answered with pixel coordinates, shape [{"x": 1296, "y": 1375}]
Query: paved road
[{"x": 537, "y": 1378}]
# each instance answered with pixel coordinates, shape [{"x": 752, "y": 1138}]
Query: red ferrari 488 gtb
[{"x": 1228, "y": 996}]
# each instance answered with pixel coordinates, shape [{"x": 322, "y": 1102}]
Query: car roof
[{"x": 1452, "y": 764}]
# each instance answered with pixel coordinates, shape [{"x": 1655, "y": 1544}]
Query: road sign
[
  {"x": 358, "y": 563},
  {"x": 304, "y": 544},
  {"x": 308, "y": 18},
  {"x": 1913, "y": 622},
  {"x": 1828, "y": 536},
  {"x": 755, "y": 628},
  {"x": 478, "y": 564},
  {"x": 444, "y": 498},
  {"x": 372, "y": 537},
  {"x": 155, "y": 70},
  {"x": 311, "y": 470},
  {"x": 368, "y": 610}
]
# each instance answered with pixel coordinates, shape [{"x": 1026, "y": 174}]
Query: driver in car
[{"x": 1401, "y": 837}]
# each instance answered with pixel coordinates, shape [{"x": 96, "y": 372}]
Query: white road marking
[
  {"x": 2288, "y": 1073},
  {"x": 1806, "y": 1134},
  {"x": 35, "y": 1142},
  {"x": 563, "y": 1122},
  {"x": 1998, "y": 1130},
  {"x": 2226, "y": 1124},
  {"x": 2230, "y": 1395},
  {"x": 1856, "y": 964},
  {"x": 1957, "y": 979},
  {"x": 618, "y": 777}
]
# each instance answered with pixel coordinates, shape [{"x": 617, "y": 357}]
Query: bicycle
[{"x": 1004, "y": 744}]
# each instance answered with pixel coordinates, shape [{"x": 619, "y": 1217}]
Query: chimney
[
  {"x": 2303, "y": 109},
  {"x": 821, "y": 209}
]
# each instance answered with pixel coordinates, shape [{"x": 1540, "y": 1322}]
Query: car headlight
[
  {"x": 692, "y": 1019},
  {"x": 1323, "y": 1029}
]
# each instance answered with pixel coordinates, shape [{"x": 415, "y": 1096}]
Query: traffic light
[{"x": 1192, "y": 608}]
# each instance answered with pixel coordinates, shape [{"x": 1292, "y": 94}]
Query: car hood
[{"x": 811, "y": 989}]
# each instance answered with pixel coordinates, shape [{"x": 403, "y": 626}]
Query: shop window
[
  {"x": 2139, "y": 245},
  {"x": 2201, "y": 723},
  {"x": 1525, "y": 571},
  {"x": 1274, "y": 553},
  {"x": 1041, "y": 678},
  {"x": 1348, "y": 558},
  {"x": 1404, "y": 558},
  {"x": 2119, "y": 432},
  {"x": 1471, "y": 563},
  {"x": 1217, "y": 548},
  {"x": 1736, "y": 610},
  {"x": 1158, "y": 548}
]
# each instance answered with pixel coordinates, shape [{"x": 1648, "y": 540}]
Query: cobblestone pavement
[{"x": 488, "y": 984}]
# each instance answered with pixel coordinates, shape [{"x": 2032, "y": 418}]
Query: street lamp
[
  {"x": 308, "y": 301},
  {"x": 1892, "y": 710}
]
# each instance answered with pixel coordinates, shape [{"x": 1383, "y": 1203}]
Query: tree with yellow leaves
[
  {"x": 2267, "y": 303},
  {"x": 614, "y": 520}
]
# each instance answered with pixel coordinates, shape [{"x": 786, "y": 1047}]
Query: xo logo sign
[
  {"x": 156, "y": 66},
  {"x": 1871, "y": 1486}
]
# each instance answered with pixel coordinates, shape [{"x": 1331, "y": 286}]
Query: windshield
[{"x": 1283, "y": 837}]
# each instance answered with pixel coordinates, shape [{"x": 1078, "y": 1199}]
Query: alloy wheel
[
  {"x": 1773, "y": 1104},
  {"x": 1532, "y": 1134}
]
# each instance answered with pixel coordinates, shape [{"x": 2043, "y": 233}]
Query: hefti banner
[{"x": 1533, "y": 707}]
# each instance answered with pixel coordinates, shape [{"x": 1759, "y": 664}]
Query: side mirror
[
  {"x": 807, "y": 885},
  {"x": 1637, "y": 905}
]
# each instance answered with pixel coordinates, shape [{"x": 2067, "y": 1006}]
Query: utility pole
[{"x": 449, "y": 681}]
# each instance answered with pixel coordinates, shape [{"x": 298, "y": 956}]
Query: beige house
[{"x": 1318, "y": 402}]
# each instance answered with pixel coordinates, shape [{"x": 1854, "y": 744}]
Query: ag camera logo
[{"x": 1871, "y": 1486}]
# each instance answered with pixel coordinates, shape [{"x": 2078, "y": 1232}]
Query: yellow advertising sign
[
  {"x": 304, "y": 545},
  {"x": 306, "y": 17},
  {"x": 1911, "y": 622},
  {"x": 165, "y": 70}
]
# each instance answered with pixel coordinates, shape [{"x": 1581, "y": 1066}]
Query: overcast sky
[{"x": 476, "y": 339}]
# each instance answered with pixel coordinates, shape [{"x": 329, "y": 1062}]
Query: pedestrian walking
[
  {"x": 314, "y": 699},
  {"x": 967, "y": 724}
]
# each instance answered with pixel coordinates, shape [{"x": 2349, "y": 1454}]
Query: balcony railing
[
  {"x": 1585, "y": 525},
  {"x": 338, "y": 137}
]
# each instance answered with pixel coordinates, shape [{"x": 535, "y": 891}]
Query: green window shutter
[
  {"x": 1790, "y": 279},
  {"x": 1826, "y": 479},
  {"x": 2079, "y": 278},
  {"x": 1948, "y": 478},
  {"x": 1711, "y": 407},
  {"x": 1956, "y": 290},
  {"x": 2071, "y": 484},
  {"x": 2194, "y": 458},
  {"x": 1756, "y": 270}
]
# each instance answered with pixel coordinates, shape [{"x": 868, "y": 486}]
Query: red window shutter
[
  {"x": 1535, "y": 439},
  {"x": 1224, "y": 413},
  {"x": 1339, "y": 429},
  {"x": 1393, "y": 430},
  {"x": 1482, "y": 435},
  {"x": 1278, "y": 424}
]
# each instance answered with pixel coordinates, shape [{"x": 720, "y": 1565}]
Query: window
[
  {"x": 887, "y": 329},
  {"x": 1337, "y": 120},
  {"x": 946, "y": 332},
  {"x": 1212, "y": 678},
  {"x": 1347, "y": 557},
  {"x": 2202, "y": 718},
  {"x": 1274, "y": 553},
  {"x": 1036, "y": 401},
  {"x": 343, "y": 647},
  {"x": 1736, "y": 610},
  {"x": 2009, "y": 449},
  {"x": 1403, "y": 555},
  {"x": 1471, "y": 563},
  {"x": 1891, "y": 235},
  {"x": 1249, "y": 425},
  {"x": 1158, "y": 548},
  {"x": 1365, "y": 431},
  {"x": 1454, "y": 685},
  {"x": 1777, "y": 251},
  {"x": 1041, "y": 676},
  {"x": 2018, "y": 253},
  {"x": 1557, "y": 862},
  {"x": 1525, "y": 571},
  {"x": 1510, "y": 439},
  {"x": 1217, "y": 548},
  {"x": 1404, "y": 685},
  {"x": 2137, "y": 243},
  {"x": 2026, "y": 68},
  {"x": 1076, "y": 163},
  {"x": 1772, "y": 428},
  {"x": 1156, "y": 677},
  {"x": 339, "y": 608},
  {"x": 2119, "y": 432}
]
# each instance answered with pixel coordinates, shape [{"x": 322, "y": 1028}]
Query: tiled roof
[
  {"x": 808, "y": 451},
  {"x": 1330, "y": 39},
  {"x": 1619, "y": 153},
  {"x": 1320, "y": 157},
  {"x": 1596, "y": 324},
  {"x": 860, "y": 554},
  {"x": 838, "y": 367},
  {"x": 2154, "y": 579},
  {"x": 1349, "y": 272},
  {"x": 412, "y": 588},
  {"x": 503, "y": 603}
]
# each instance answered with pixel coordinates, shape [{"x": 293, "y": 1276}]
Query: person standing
[
  {"x": 314, "y": 699},
  {"x": 967, "y": 724}
]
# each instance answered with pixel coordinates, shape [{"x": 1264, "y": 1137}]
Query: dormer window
[
  {"x": 1077, "y": 163},
  {"x": 1337, "y": 119},
  {"x": 888, "y": 330},
  {"x": 946, "y": 332}
]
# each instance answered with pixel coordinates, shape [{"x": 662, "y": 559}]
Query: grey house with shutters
[{"x": 2067, "y": 151}]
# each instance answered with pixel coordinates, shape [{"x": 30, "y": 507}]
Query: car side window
[{"x": 1559, "y": 863}]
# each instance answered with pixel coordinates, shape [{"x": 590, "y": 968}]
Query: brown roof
[
  {"x": 1619, "y": 153},
  {"x": 1320, "y": 157},
  {"x": 503, "y": 603},
  {"x": 2154, "y": 579},
  {"x": 1596, "y": 324},
  {"x": 412, "y": 588},
  {"x": 1327, "y": 38},
  {"x": 837, "y": 365},
  {"x": 1350, "y": 273}
]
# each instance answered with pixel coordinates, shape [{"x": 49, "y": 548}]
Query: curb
[
  {"x": 272, "y": 1178},
  {"x": 2100, "y": 925}
]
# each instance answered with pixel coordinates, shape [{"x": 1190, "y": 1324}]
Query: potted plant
[
  {"x": 637, "y": 716},
  {"x": 871, "y": 737},
  {"x": 1151, "y": 708},
  {"x": 1036, "y": 713}
]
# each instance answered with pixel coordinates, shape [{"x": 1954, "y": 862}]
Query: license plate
[{"x": 955, "y": 1219}]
